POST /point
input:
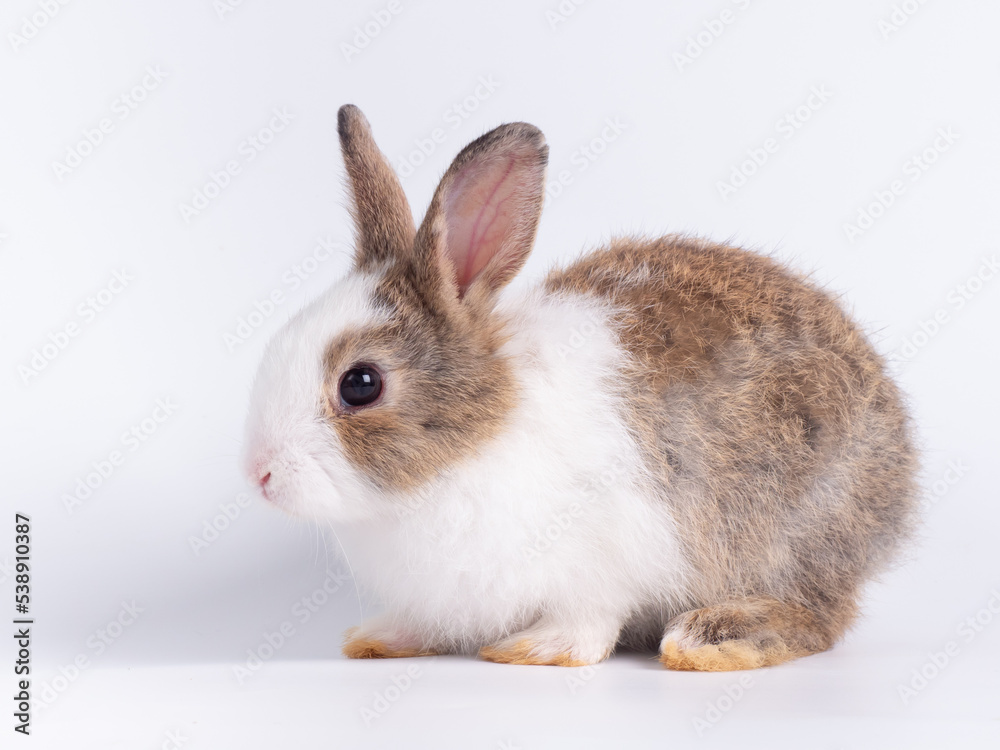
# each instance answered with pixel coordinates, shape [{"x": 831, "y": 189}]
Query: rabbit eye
[{"x": 360, "y": 386}]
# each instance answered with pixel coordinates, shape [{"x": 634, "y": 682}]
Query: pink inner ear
[{"x": 481, "y": 214}]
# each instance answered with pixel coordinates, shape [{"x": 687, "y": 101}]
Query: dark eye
[{"x": 360, "y": 386}]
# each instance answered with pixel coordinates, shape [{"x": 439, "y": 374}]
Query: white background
[{"x": 685, "y": 127}]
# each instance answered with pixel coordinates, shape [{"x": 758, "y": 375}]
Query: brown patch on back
[
  {"x": 522, "y": 652},
  {"x": 769, "y": 422}
]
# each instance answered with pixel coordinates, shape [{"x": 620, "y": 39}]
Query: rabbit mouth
[{"x": 305, "y": 484}]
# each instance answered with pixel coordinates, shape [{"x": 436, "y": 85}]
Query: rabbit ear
[
  {"x": 381, "y": 213},
  {"x": 482, "y": 220}
]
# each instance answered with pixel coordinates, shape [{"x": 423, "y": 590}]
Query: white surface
[
  {"x": 163, "y": 336},
  {"x": 839, "y": 700}
]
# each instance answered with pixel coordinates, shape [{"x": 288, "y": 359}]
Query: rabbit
[{"x": 667, "y": 444}]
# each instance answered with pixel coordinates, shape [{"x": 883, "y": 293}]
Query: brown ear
[
  {"x": 381, "y": 214},
  {"x": 482, "y": 220}
]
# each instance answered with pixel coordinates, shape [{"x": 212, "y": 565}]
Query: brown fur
[
  {"x": 369, "y": 648},
  {"x": 743, "y": 635},
  {"x": 523, "y": 652},
  {"x": 426, "y": 421},
  {"x": 774, "y": 432},
  {"x": 381, "y": 212}
]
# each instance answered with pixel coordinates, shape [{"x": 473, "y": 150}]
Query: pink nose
[{"x": 265, "y": 479}]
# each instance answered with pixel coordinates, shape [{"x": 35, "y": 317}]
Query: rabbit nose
[{"x": 265, "y": 479}]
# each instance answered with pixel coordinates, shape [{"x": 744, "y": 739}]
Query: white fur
[
  {"x": 551, "y": 529},
  {"x": 285, "y": 436}
]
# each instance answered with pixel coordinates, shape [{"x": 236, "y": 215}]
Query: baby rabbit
[{"x": 666, "y": 442}]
